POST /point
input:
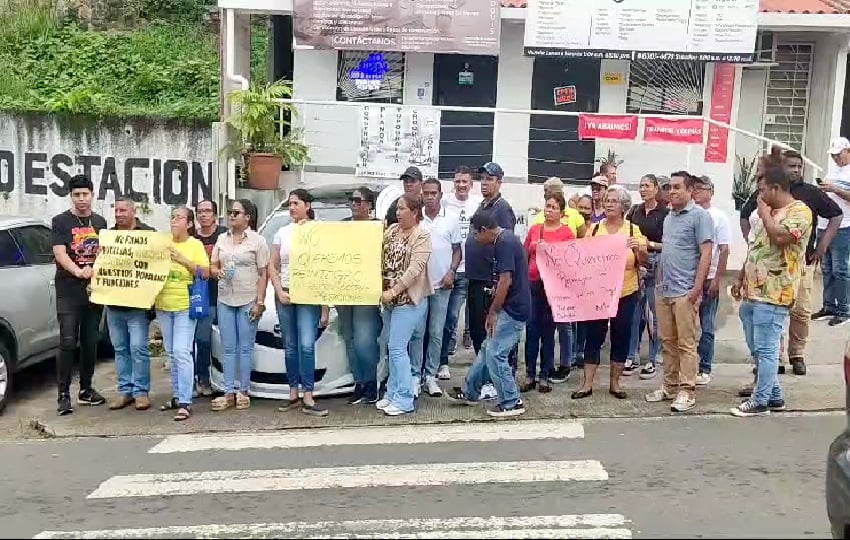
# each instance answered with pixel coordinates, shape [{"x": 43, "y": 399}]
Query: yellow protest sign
[
  {"x": 336, "y": 263},
  {"x": 131, "y": 268}
]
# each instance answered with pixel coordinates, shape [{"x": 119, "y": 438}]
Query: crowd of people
[{"x": 443, "y": 251}]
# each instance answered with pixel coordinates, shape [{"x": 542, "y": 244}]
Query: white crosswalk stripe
[{"x": 419, "y": 474}]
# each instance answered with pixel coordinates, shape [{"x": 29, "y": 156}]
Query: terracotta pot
[{"x": 264, "y": 171}]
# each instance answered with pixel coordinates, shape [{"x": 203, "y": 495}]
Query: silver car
[
  {"x": 29, "y": 331},
  {"x": 838, "y": 470}
]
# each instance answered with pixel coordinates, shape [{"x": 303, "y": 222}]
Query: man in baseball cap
[{"x": 411, "y": 179}]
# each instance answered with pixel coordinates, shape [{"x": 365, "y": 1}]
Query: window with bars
[
  {"x": 370, "y": 76},
  {"x": 665, "y": 87}
]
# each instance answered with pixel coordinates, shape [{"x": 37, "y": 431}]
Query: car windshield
[{"x": 324, "y": 212}]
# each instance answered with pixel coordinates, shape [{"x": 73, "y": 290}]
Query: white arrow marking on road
[
  {"x": 420, "y": 474},
  {"x": 419, "y": 434},
  {"x": 567, "y": 526}
]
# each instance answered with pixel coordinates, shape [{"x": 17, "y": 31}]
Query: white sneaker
[
  {"x": 443, "y": 373},
  {"x": 432, "y": 388},
  {"x": 658, "y": 395},
  {"x": 684, "y": 402},
  {"x": 648, "y": 371},
  {"x": 382, "y": 404},
  {"x": 417, "y": 387},
  {"x": 703, "y": 379},
  {"x": 488, "y": 391},
  {"x": 392, "y": 410}
]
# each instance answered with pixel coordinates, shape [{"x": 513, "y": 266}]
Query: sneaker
[
  {"x": 314, "y": 410},
  {"x": 750, "y": 408},
  {"x": 63, "y": 405},
  {"x": 467, "y": 341},
  {"x": 417, "y": 386},
  {"x": 382, "y": 404},
  {"x": 798, "y": 366},
  {"x": 561, "y": 375},
  {"x": 358, "y": 395},
  {"x": 392, "y": 410},
  {"x": 839, "y": 320},
  {"x": 205, "y": 389},
  {"x": 452, "y": 346},
  {"x": 120, "y": 402},
  {"x": 432, "y": 388},
  {"x": 703, "y": 379},
  {"x": 488, "y": 392},
  {"x": 90, "y": 397},
  {"x": 443, "y": 373},
  {"x": 631, "y": 366},
  {"x": 822, "y": 315},
  {"x": 370, "y": 392},
  {"x": 776, "y": 405},
  {"x": 684, "y": 402},
  {"x": 456, "y": 395},
  {"x": 647, "y": 372},
  {"x": 659, "y": 395},
  {"x": 500, "y": 412}
]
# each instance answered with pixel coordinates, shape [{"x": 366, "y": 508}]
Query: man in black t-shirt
[
  {"x": 207, "y": 231},
  {"x": 507, "y": 315},
  {"x": 75, "y": 247},
  {"x": 411, "y": 179}
]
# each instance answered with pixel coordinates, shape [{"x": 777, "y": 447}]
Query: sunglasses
[{"x": 236, "y": 213}]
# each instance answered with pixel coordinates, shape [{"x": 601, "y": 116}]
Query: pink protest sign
[{"x": 583, "y": 278}]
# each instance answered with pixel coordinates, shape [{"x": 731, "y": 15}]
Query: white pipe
[{"x": 230, "y": 50}]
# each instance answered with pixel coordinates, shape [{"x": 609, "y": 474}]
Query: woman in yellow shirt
[
  {"x": 617, "y": 203},
  {"x": 188, "y": 259}
]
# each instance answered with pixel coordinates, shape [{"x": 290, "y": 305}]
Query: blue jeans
[
  {"x": 178, "y": 333},
  {"x": 708, "y": 323},
  {"x": 203, "y": 346},
  {"x": 299, "y": 326},
  {"x": 128, "y": 331},
  {"x": 238, "y": 335},
  {"x": 401, "y": 322},
  {"x": 836, "y": 274},
  {"x": 565, "y": 344},
  {"x": 457, "y": 299},
  {"x": 360, "y": 327},
  {"x": 540, "y": 336},
  {"x": 492, "y": 363},
  {"x": 435, "y": 321},
  {"x": 764, "y": 325},
  {"x": 647, "y": 300}
]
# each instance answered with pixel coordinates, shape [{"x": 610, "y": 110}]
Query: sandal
[
  {"x": 528, "y": 386},
  {"x": 223, "y": 402},
  {"x": 581, "y": 394},
  {"x": 619, "y": 394},
  {"x": 544, "y": 387},
  {"x": 242, "y": 401},
  {"x": 289, "y": 404},
  {"x": 170, "y": 405},
  {"x": 183, "y": 413}
]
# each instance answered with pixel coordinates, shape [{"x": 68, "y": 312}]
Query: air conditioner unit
[{"x": 765, "y": 53}]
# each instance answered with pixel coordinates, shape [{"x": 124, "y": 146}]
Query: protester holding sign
[
  {"x": 189, "y": 260},
  {"x": 129, "y": 330},
  {"x": 239, "y": 262},
  {"x": 617, "y": 204},
  {"x": 299, "y": 323},
  {"x": 75, "y": 246}
]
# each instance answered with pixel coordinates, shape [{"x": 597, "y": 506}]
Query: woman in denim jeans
[
  {"x": 239, "y": 261},
  {"x": 188, "y": 260},
  {"x": 299, "y": 323},
  {"x": 407, "y": 284}
]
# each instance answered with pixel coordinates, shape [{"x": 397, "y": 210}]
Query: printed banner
[
  {"x": 131, "y": 268},
  {"x": 583, "y": 278},
  {"x": 722, "y": 95},
  {"x": 681, "y": 131},
  {"x": 602, "y": 126},
  {"x": 437, "y": 26},
  {"x": 336, "y": 263},
  {"x": 394, "y": 138},
  {"x": 564, "y": 95}
]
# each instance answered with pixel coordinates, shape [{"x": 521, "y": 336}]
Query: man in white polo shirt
[{"x": 446, "y": 253}]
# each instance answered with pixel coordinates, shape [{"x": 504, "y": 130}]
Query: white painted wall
[{"x": 510, "y": 141}]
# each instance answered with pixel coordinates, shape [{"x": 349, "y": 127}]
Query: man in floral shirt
[{"x": 769, "y": 281}]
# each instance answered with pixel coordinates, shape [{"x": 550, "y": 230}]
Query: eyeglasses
[
  {"x": 236, "y": 213},
  {"x": 356, "y": 200}
]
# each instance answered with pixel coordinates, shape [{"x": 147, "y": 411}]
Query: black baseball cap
[
  {"x": 491, "y": 168},
  {"x": 412, "y": 173}
]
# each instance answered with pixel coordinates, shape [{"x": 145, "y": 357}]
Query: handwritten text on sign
[
  {"x": 131, "y": 268},
  {"x": 336, "y": 263},
  {"x": 583, "y": 278}
]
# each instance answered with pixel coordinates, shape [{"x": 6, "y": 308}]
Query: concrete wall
[{"x": 160, "y": 163}]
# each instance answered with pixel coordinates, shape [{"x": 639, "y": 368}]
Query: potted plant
[
  {"x": 744, "y": 183},
  {"x": 256, "y": 119},
  {"x": 612, "y": 157}
]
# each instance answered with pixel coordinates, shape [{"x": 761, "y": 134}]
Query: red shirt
[{"x": 537, "y": 233}]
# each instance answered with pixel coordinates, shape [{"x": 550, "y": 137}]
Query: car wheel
[{"x": 5, "y": 376}]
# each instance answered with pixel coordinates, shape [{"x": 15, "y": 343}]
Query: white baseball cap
[{"x": 837, "y": 145}]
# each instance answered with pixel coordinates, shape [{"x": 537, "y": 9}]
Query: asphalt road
[{"x": 668, "y": 477}]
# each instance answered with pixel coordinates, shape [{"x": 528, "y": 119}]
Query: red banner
[
  {"x": 602, "y": 126},
  {"x": 722, "y": 94},
  {"x": 681, "y": 131}
]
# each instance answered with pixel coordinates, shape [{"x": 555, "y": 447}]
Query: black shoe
[
  {"x": 776, "y": 405},
  {"x": 358, "y": 394},
  {"x": 90, "y": 397},
  {"x": 528, "y": 386},
  {"x": 456, "y": 395},
  {"x": 798, "y": 366},
  {"x": 839, "y": 320},
  {"x": 370, "y": 392},
  {"x": 822, "y": 315},
  {"x": 561, "y": 375},
  {"x": 64, "y": 405}
]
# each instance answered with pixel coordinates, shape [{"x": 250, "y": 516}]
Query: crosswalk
[{"x": 417, "y": 473}]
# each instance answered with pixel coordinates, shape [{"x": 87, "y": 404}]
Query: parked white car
[{"x": 268, "y": 374}]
